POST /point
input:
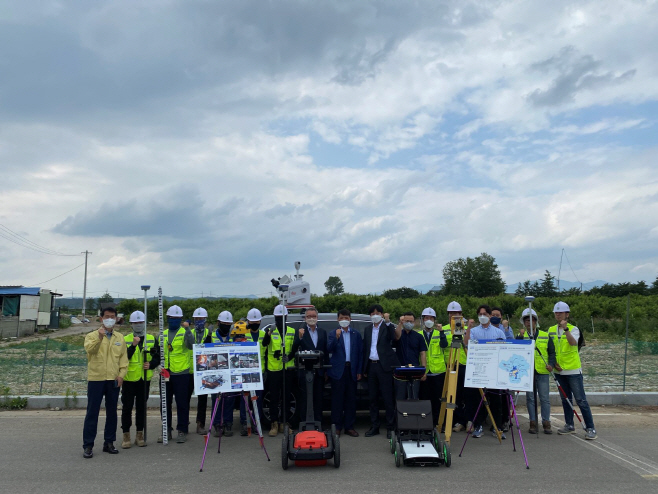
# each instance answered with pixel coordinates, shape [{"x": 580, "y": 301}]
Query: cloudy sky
[{"x": 207, "y": 145}]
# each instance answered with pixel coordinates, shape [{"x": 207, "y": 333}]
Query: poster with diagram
[
  {"x": 497, "y": 364},
  {"x": 227, "y": 367}
]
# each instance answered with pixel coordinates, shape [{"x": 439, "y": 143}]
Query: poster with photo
[{"x": 227, "y": 367}]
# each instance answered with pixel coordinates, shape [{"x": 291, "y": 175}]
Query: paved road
[{"x": 41, "y": 452}]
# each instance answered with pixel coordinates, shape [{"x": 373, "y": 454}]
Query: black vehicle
[{"x": 329, "y": 322}]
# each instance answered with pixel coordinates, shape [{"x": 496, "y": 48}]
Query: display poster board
[
  {"x": 227, "y": 367},
  {"x": 497, "y": 364}
]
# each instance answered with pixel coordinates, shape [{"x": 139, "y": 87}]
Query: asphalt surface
[{"x": 41, "y": 451}]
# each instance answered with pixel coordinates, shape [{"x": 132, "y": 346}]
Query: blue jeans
[
  {"x": 96, "y": 390},
  {"x": 573, "y": 385},
  {"x": 542, "y": 386}
]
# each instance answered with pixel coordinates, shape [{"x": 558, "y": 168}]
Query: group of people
[{"x": 127, "y": 363}]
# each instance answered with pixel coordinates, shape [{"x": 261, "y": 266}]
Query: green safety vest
[
  {"x": 567, "y": 355},
  {"x": 178, "y": 359},
  {"x": 541, "y": 344},
  {"x": 136, "y": 363},
  {"x": 261, "y": 335},
  {"x": 205, "y": 335},
  {"x": 215, "y": 339},
  {"x": 436, "y": 363},
  {"x": 276, "y": 364},
  {"x": 446, "y": 350}
]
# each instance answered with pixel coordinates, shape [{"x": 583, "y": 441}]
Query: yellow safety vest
[
  {"x": 261, "y": 335},
  {"x": 178, "y": 359},
  {"x": 436, "y": 363},
  {"x": 205, "y": 335},
  {"x": 446, "y": 350},
  {"x": 566, "y": 354},
  {"x": 276, "y": 364},
  {"x": 136, "y": 363}
]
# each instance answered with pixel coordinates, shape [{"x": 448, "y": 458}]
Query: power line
[
  {"x": 567, "y": 257},
  {"x": 17, "y": 239},
  {"x": 41, "y": 282}
]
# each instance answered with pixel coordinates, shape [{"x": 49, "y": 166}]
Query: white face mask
[
  {"x": 109, "y": 323},
  {"x": 376, "y": 319},
  {"x": 344, "y": 323},
  {"x": 139, "y": 327},
  {"x": 429, "y": 324},
  {"x": 483, "y": 319},
  {"x": 408, "y": 326},
  {"x": 311, "y": 322}
]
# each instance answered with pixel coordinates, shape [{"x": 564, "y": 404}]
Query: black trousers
[
  {"x": 178, "y": 386},
  {"x": 461, "y": 413},
  {"x": 318, "y": 388},
  {"x": 380, "y": 380},
  {"x": 431, "y": 389},
  {"x": 275, "y": 382},
  {"x": 133, "y": 393},
  {"x": 201, "y": 403},
  {"x": 96, "y": 391},
  {"x": 343, "y": 401},
  {"x": 494, "y": 397}
]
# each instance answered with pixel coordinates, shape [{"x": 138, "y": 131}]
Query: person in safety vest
[
  {"x": 459, "y": 417},
  {"x": 223, "y": 335},
  {"x": 569, "y": 371},
  {"x": 107, "y": 365},
  {"x": 544, "y": 364},
  {"x": 201, "y": 336},
  {"x": 254, "y": 318},
  {"x": 135, "y": 390},
  {"x": 178, "y": 342},
  {"x": 436, "y": 341},
  {"x": 278, "y": 342}
]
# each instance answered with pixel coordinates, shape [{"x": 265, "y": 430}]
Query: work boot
[
  {"x": 201, "y": 429},
  {"x": 125, "y": 443},
  {"x": 281, "y": 425},
  {"x": 139, "y": 439},
  {"x": 244, "y": 431},
  {"x": 546, "y": 424},
  {"x": 533, "y": 427},
  {"x": 182, "y": 437},
  {"x": 216, "y": 430},
  {"x": 274, "y": 430},
  {"x": 228, "y": 429},
  {"x": 458, "y": 427},
  {"x": 109, "y": 448}
]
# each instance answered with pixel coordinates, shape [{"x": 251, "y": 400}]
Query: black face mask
[
  {"x": 224, "y": 329},
  {"x": 495, "y": 320},
  {"x": 253, "y": 326},
  {"x": 279, "y": 322}
]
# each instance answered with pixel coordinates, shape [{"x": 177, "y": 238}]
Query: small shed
[{"x": 25, "y": 310}]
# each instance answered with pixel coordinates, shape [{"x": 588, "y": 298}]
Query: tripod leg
[
  {"x": 212, "y": 419},
  {"x": 516, "y": 418},
  {"x": 493, "y": 421},
  {"x": 468, "y": 432}
]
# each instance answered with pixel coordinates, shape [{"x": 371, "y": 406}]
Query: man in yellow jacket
[{"x": 107, "y": 364}]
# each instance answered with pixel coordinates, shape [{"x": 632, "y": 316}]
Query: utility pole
[{"x": 84, "y": 292}]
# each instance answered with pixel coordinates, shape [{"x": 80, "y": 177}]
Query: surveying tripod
[{"x": 448, "y": 396}]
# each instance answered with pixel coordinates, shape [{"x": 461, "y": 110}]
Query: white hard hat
[
  {"x": 254, "y": 315},
  {"x": 200, "y": 312},
  {"x": 527, "y": 312},
  {"x": 137, "y": 316},
  {"x": 428, "y": 312},
  {"x": 561, "y": 307},
  {"x": 174, "y": 311},
  {"x": 280, "y": 310},
  {"x": 454, "y": 307},
  {"x": 225, "y": 316}
]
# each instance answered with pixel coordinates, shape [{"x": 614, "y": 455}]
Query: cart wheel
[
  {"x": 436, "y": 440},
  {"x": 336, "y": 441},
  {"x": 391, "y": 442},
  {"x": 447, "y": 460},
  {"x": 333, "y": 430},
  {"x": 284, "y": 448},
  {"x": 398, "y": 454}
]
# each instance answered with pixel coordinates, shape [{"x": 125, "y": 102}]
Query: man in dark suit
[
  {"x": 346, "y": 348},
  {"x": 311, "y": 337},
  {"x": 379, "y": 358}
]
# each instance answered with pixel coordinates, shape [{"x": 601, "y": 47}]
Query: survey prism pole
[{"x": 147, "y": 383}]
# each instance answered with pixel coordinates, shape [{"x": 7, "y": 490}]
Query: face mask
[
  {"x": 376, "y": 319},
  {"x": 408, "y": 326},
  {"x": 224, "y": 329},
  {"x": 344, "y": 323},
  {"x": 279, "y": 322},
  {"x": 429, "y": 324},
  {"x": 311, "y": 322},
  {"x": 138, "y": 328},
  {"x": 109, "y": 323},
  {"x": 495, "y": 320},
  {"x": 200, "y": 324},
  {"x": 483, "y": 319},
  {"x": 174, "y": 323},
  {"x": 253, "y": 326}
]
